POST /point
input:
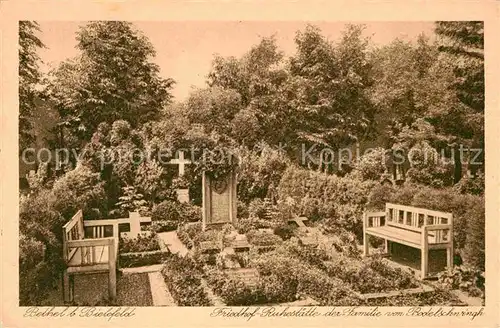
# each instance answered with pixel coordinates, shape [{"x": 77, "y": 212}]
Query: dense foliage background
[{"x": 262, "y": 110}]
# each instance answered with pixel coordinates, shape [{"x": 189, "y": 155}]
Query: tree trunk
[{"x": 458, "y": 165}]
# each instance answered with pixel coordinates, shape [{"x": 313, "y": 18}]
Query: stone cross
[
  {"x": 299, "y": 221},
  {"x": 181, "y": 161},
  {"x": 135, "y": 224}
]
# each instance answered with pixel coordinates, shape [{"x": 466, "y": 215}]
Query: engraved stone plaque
[{"x": 219, "y": 200}]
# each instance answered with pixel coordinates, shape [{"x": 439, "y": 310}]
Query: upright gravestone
[
  {"x": 219, "y": 200},
  {"x": 182, "y": 192}
]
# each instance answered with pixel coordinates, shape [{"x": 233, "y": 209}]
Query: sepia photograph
[{"x": 251, "y": 163}]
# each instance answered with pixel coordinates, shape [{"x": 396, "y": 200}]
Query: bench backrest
[
  {"x": 72, "y": 230},
  {"x": 414, "y": 218}
]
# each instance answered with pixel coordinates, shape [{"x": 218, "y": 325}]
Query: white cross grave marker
[
  {"x": 182, "y": 194},
  {"x": 181, "y": 161}
]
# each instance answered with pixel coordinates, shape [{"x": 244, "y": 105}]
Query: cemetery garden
[{"x": 197, "y": 203}]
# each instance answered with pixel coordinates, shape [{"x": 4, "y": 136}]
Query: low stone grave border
[
  {"x": 403, "y": 292},
  {"x": 136, "y": 259}
]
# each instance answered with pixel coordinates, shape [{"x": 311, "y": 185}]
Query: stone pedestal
[
  {"x": 183, "y": 195},
  {"x": 219, "y": 200}
]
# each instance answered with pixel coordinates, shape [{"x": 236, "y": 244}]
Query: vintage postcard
[{"x": 249, "y": 164}]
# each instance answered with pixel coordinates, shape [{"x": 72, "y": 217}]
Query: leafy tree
[
  {"x": 112, "y": 79},
  {"x": 213, "y": 107},
  {"x": 29, "y": 77},
  {"x": 258, "y": 77},
  {"x": 329, "y": 86},
  {"x": 463, "y": 42}
]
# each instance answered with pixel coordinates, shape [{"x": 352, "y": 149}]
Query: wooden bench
[
  {"x": 411, "y": 226},
  {"x": 87, "y": 255},
  {"x": 94, "y": 253}
]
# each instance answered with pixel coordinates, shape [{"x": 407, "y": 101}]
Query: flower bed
[
  {"x": 142, "y": 243},
  {"x": 259, "y": 238},
  {"x": 291, "y": 277},
  {"x": 245, "y": 225},
  {"x": 291, "y": 272},
  {"x": 183, "y": 280},
  {"x": 130, "y": 260},
  {"x": 234, "y": 291},
  {"x": 370, "y": 276}
]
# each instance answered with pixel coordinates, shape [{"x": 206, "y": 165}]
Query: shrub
[
  {"x": 427, "y": 167},
  {"x": 183, "y": 280},
  {"x": 132, "y": 201},
  {"x": 379, "y": 196},
  {"x": 36, "y": 276},
  {"x": 78, "y": 189},
  {"x": 242, "y": 210},
  {"x": 193, "y": 229},
  {"x": 471, "y": 185},
  {"x": 234, "y": 291},
  {"x": 437, "y": 297},
  {"x": 474, "y": 250},
  {"x": 370, "y": 276},
  {"x": 184, "y": 238},
  {"x": 130, "y": 260},
  {"x": 372, "y": 165},
  {"x": 148, "y": 179},
  {"x": 166, "y": 211},
  {"x": 163, "y": 226},
  {"x": 260, "y": 173},
  {"x": 464, "y": 278},
  {"x": 285, "y": 231},
  {"x": 257, "y": 208},
  {"x": 298, "y": 278},
  {"x": 120, "y": 131},
  {"x": 190, "y": 213},
  {"x": 40, "y": 249},
  {"x": 208, "y": 236},
  {"x": 342, "y": 241}
]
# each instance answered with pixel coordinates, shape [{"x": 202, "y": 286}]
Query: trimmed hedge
[
  {"x": 319, "y": 196},
  {"x": 130, "y": 260}
]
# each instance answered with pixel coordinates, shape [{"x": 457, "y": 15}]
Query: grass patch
[{"x": 134, "y": 290}]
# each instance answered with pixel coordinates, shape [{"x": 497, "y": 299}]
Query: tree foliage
[
  {"x": 112, "y": 79},
  {"x": 29, "y": 77},
  {"x": 463, "y": 42}
]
